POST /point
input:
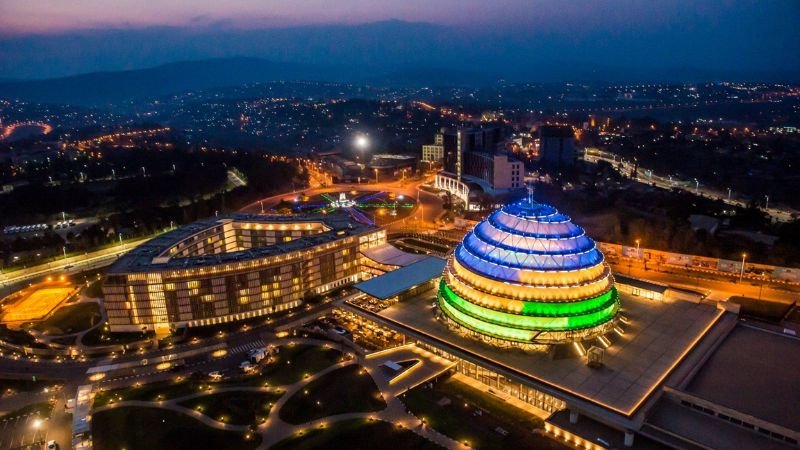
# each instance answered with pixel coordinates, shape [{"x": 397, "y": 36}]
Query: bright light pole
[
  {"x": 696, "y": 186},
  {"x": 729, "y": 194},
  {"x": 766, "y": 206},
  {"x": 741, "y": 273},
  {"x": 64, "y": 249},
  {"x": 362, "y": 142},
  {"x": 376, "y": 175}
]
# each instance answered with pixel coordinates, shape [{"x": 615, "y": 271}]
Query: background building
[
  {"x": 470, "y": 158},
  {"x": 233, "y": 268},
  {"x": 557, "y": 145}
]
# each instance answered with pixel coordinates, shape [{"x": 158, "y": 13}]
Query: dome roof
[{"x": 525, "y": 270}]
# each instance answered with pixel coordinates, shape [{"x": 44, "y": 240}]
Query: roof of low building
[{"x": 392, "y": 283}]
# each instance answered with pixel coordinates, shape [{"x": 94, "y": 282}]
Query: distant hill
[{"x": 100, "y": 88}]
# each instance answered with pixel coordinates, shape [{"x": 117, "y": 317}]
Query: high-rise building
[
  {"x": 557, "y": 145},
  {"x": 472, "y": 157}
]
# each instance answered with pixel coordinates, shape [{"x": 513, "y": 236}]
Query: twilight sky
[
  {"x": 45, "y": 38},
  {"x": 54, "y": 16}
]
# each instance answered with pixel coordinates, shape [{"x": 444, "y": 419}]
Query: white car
[{"x": 52, "y": 445}]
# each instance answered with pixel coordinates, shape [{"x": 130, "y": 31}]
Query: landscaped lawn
[
  {"x": 43, "y": 409},
  {"x": 345, "y": 390},
  {"x": 24, "y": 385},
  {"x": 357, "y": 435},
  {"x": 234, "y": 407},
  {"x": 772, "y": 310},
  {"x": 134, "y": 428},
  {"x": 95, "y": 337},
  {"x": 162, "y": 390},
  {"x": 293, "y": 362},
  {"x": 70, "y": 319},
  {"x": 95, "y": 289},
  {"x": 479, "y": 429}
]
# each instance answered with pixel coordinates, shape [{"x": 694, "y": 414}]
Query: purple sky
[
  {"x": 55, "y": 16},
  {"x": 46, "y": 38}
]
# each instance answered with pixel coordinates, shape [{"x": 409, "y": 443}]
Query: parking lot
[{"x": 24, "y": 432}]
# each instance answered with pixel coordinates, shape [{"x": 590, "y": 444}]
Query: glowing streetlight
[
  {"x": 362, "y": 142},
  {"x": 741, "y": 273}
]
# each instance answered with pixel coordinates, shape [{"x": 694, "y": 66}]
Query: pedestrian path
[{"x": 247, "y": 347}]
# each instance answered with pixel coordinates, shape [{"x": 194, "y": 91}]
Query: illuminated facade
[
  {"x": 526, "y": 277},
  {"x": 234, "y": 268}
]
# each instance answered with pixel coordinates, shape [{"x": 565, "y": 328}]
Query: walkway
[{"x": 274, "y": 429}]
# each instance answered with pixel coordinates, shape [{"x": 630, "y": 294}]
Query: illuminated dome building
[{"x": 528, "y": 277}]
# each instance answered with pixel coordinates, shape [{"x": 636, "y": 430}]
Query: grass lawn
[
  {"x": 135, "y": 428},
  {"x": 357, "y": 435},
  {"x": 42, "y": 408},
  {"x": 95, "y": 337},
  {"x": 344, "y": 390},
  {"x": 771, "y": 310},
  {"x": 235, "y": 407},
  {"x": 295, "y": 361},
  {"x": 462, "y": 423},
  {"x": 24, "y": 385},
  {"x": 70, "y": 319},
  {"x": 95, "y": 289},
  {"x": 162, "y": 390}
]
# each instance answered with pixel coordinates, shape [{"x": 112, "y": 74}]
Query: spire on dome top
[{"x": 529, "y": 185}]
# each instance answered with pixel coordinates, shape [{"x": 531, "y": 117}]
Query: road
[
  {"x": 427, "y": 211},
  {"x": 694, "y": 186},
  {"x": 70, "y": 264},
  {"x": 719, "y": 288}
]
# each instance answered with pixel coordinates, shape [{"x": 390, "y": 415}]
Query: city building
[
  {"x": 434, "y": 153},
  {"x": 527, "y": 308},
  {"x": 557, "y": 145},
  {"x": 392, "y": 165},
  {"x": 472, "y": 162},
  {"x": 528, "y": 276},
  {"x": 232, "y": 268}
]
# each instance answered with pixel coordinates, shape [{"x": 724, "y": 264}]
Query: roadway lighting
[
  {"x": 362, "y": 142},
  {"x": 37, "y": 423},
  {"x": 729, "y": 194},
  {"x": 741, "y": 273}
]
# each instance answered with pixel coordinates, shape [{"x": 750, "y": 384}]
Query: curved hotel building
[
  {"x": 525, "y": 277},
  {"x": 232, "y": 268}
]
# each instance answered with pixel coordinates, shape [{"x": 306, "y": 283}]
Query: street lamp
[
  {"x": 376, "y": 175},
  {"x": 729, "y": 194},
  {"x": 741, "y": 273},
  {"x": 696, "y": 186},
  {"x": 766, "y": 206},
  {"x": 361, "y": 142}
]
